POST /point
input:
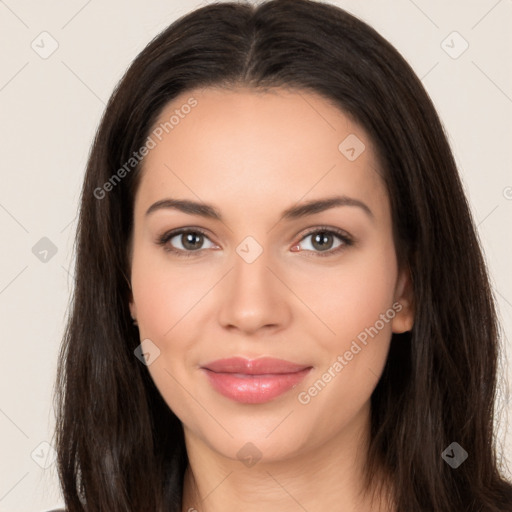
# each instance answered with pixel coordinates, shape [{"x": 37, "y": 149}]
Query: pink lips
[{"x": 254, "y": 381}]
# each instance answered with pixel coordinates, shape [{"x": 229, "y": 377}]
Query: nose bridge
[
  {"x": 251, "y": 263},
  {"x": 253, "y": 297}
]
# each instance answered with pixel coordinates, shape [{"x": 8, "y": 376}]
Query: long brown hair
[{"x": 120, "y": 447}]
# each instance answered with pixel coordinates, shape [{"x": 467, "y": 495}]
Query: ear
[
  {"x": 133, "y": 309},
  {"x": 404, "y": 298},
  {"x": 131, "y": 304}
]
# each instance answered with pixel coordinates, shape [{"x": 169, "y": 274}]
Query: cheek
[
  {"x": 168, "y": 300},
  {"x": 351, "y": 296},
  {"x": 355, "y": 300},
  {"x": 165, "y": 293},
  {"x": 165, "y": 297},
  {"x": 358, "y": 306}
]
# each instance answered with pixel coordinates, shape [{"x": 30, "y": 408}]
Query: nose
[{"x": 253, "y": 297}]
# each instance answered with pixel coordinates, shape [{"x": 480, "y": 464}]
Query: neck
[{"x": 326, "y": 477}]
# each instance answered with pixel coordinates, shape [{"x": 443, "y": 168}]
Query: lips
[
  {"x": 259, "y": 366},
  {"x": 253, "y": 381}
]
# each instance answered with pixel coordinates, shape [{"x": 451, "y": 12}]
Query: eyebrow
[{"x": 294, "y": 212}]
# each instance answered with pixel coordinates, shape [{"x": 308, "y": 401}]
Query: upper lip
[{"x": 262, "y": 365}]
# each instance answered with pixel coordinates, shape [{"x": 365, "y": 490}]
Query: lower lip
[{"x": 254, "y": 389}]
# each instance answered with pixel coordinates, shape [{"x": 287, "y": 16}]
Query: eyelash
[{"x": 344, "y": 237}]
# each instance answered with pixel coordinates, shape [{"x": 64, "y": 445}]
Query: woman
[{"x": 280, "y": 300}]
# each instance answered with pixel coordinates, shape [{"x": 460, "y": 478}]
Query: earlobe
[{"x": 404, "y": 298}]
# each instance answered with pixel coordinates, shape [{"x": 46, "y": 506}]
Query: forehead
[{"x": 220, "y": 145}]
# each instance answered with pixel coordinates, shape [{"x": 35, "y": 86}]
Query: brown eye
[
  {"x": 184, "y": 242},
  {"x": 191, "y": 241},
  {"x": 325, "y": 242},
  {"x": 322, "y": 240}
]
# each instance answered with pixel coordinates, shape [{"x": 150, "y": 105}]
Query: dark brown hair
[{"x": 120, "y": 447}]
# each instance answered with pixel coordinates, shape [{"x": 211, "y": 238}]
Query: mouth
[{"x": 254, "y": 381}]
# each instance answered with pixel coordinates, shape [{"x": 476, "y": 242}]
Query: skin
[{"x": 252, "y": 155}]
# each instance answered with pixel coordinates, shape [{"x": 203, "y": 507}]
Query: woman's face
[{"x": 317, "y": 286}]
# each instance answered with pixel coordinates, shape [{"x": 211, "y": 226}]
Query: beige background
[{"x": 50, "y": 109}]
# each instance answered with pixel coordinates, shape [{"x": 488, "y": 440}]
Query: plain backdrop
[{"x": 51, "y": 105}]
